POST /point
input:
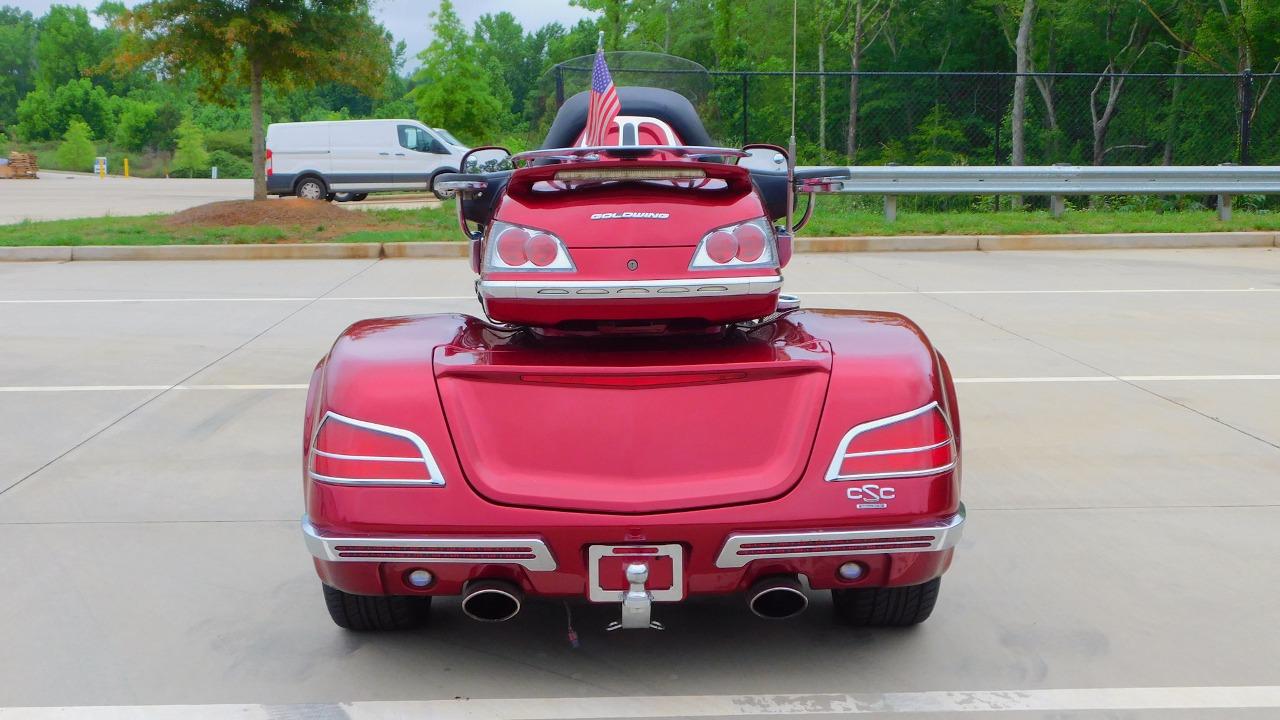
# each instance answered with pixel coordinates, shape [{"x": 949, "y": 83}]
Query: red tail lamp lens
[
  {"x": 722, "y": 246},
  {"x": 750, "y": 242},
  {"x": 511, "y": 247},
  {"x": 541, "y": 250}
]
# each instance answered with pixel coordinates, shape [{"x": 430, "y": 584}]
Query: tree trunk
[
  {"x": 1022, "y": 49},
  {"x": 822, "y": 98},
  {"x": 259, "y": 142},
  {"x": 851, "y": 138},
  {"x": 1022, "y": 46}
]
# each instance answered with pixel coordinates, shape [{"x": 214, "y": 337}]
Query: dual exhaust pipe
[
  {"x": 773, "y": 598},
  {"x": 492, "y": 600}
]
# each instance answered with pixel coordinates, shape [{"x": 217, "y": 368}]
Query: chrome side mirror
[{"x": 486, "y": 159}]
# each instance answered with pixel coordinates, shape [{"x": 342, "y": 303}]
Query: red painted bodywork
[
  {"x": 602, "y": 249},
  {"x": 600, "y": 463},
  {"x": 603, "y": 438}
]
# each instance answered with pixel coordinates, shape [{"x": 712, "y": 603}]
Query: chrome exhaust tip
[
  {"x": 777, "y": 598},
  {"x": 491, "y": 600}
]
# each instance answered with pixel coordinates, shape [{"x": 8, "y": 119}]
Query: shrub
[
  {"x": 4, "y": 144},
  {"x": 76, "y": 151},
  {"x": 232, "y": 142},
  {"x": 191, "y": 155},
  {"x": 230, "y": 166},
  {"x": 137, "y": 125}
]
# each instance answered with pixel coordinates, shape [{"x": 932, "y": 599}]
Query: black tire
[
  {"x": 364, "y": 613},
  {"x": 311, "y": 187},
  {"x": 359, "y": 196},
  {"x": 431, "y": 184},
  {"x": 887, "y": 607}
]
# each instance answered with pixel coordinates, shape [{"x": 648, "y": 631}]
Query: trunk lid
[{"x": 625, "y": 430}]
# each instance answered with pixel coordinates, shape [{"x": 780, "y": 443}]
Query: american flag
[{"x": 604, "y": 105}]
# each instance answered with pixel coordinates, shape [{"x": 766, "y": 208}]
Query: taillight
[
  {"x": 511, "y": 247},
  {"x": 912, "y": 444},
  {"x": 748, "y": 244},
  {"x": 346, "y": 451},
  {"x": 268, "y": 162}
]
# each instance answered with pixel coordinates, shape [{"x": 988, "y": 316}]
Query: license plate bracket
[{"x": 665, "y": 563}]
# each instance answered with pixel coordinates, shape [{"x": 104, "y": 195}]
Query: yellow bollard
[
  {"x": 102, "y": 171},
  {"x": 126, "y": 167}
]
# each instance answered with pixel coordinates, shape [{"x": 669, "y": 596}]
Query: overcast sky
[{"x": 407, "y": 19}]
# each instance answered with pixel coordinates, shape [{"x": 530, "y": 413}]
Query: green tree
[
  {"x": 36, "y": 116},
  {"x": 191, "y": 154},
  {"x": 232, "y": 43},
  {"x": 76, "y": 151},
  {"x": 69, "y": 47},
  {"x": 137, "y": 126},
  {"x": 17, "y": 60},
  {"x": 4, "y": 144},
  {"x": 83, "y": 99},
  {"x": 454, "y": 88}
]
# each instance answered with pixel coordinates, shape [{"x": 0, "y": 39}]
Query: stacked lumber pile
[{"x": 21, "y": 165}]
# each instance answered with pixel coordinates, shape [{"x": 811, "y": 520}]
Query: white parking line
[
  {"x": 959, "y": 381},
  {"x": 1110, "y": 378},
  {"x": 429, "y": 298},
  {"x": 672, "y": 706},
  {"x": 129, "y": 388}
]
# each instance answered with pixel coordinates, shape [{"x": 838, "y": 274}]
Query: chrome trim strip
[
  {"x": 600, "y": 290},
  {"x": 741, "y": 548},
  {"x": 374, "y": 458},
  {"x": 434, "y": 477},
  {"x": 837, "y": 460},
  {"x": 537, "y": 557}
]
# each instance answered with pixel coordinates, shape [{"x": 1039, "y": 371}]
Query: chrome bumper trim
[
  {"x": 604, "y": 290},
  {"x": 740, "y": 549},
  {"x": 530, "y": 553}
]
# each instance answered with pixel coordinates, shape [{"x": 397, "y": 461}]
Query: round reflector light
[
  {"x": 750, "y": 242},
  {"x": 541, "y": 249},
  {"x": 511, "y": 247},
  {"x": 722, "y": 246},
  {"x": 851, "y": 571},
  {"x": 420, "y": 578}
]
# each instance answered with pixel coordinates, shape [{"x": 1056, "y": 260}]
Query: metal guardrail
[{"x": 1058, "y": 181}]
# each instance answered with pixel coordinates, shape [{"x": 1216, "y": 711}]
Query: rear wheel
[
  {"x": 887, "y": 607},
  {"x": 364, "y": 613},
  {"x": 311, "y": 188}
]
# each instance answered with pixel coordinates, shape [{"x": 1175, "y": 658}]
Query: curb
[{"x": 454, "y": 249}]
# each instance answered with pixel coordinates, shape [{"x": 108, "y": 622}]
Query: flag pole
[
  {"x": 600, "y": 42},
  {"x": 791, "y": 142}
]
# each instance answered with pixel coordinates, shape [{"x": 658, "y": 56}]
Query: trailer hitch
[{"x": 637, "y": 604}]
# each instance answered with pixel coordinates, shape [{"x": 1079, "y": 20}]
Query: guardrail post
[
  {"x": 1058, "y": 203},
  {"x": 891, "y": 202},
  {"x": 1224, "y": 202}
]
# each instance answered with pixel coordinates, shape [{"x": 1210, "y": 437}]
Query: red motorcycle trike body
[{"x": 642, "y": 416}]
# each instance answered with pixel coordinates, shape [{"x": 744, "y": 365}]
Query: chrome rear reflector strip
[
  {"x": 597, "y": 290},
  {"x": 530, "y": 553},
  {"x": 740, "y": 549}
]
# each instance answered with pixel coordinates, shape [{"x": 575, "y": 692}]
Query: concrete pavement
[{"x": 1121, "y": 452}]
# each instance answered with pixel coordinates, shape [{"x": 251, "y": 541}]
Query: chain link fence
[{"x": 950, "y": 118}]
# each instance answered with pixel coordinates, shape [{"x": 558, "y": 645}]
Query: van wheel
[
  {"x": 432, "y": 183},
  {"x": 363, "y": 613},
  {"x": 311, "y": 188},
  {"x": 887, "y": 607}
]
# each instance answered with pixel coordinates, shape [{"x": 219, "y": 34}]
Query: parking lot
[
  {"x": 63, "y": 196},
  {"x": 1121, "y": 471}
]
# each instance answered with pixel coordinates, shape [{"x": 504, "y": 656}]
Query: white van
[{"x": 321, "y": 160}]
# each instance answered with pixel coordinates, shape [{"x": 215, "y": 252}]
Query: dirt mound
[{"x": 287, "y": 211}]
